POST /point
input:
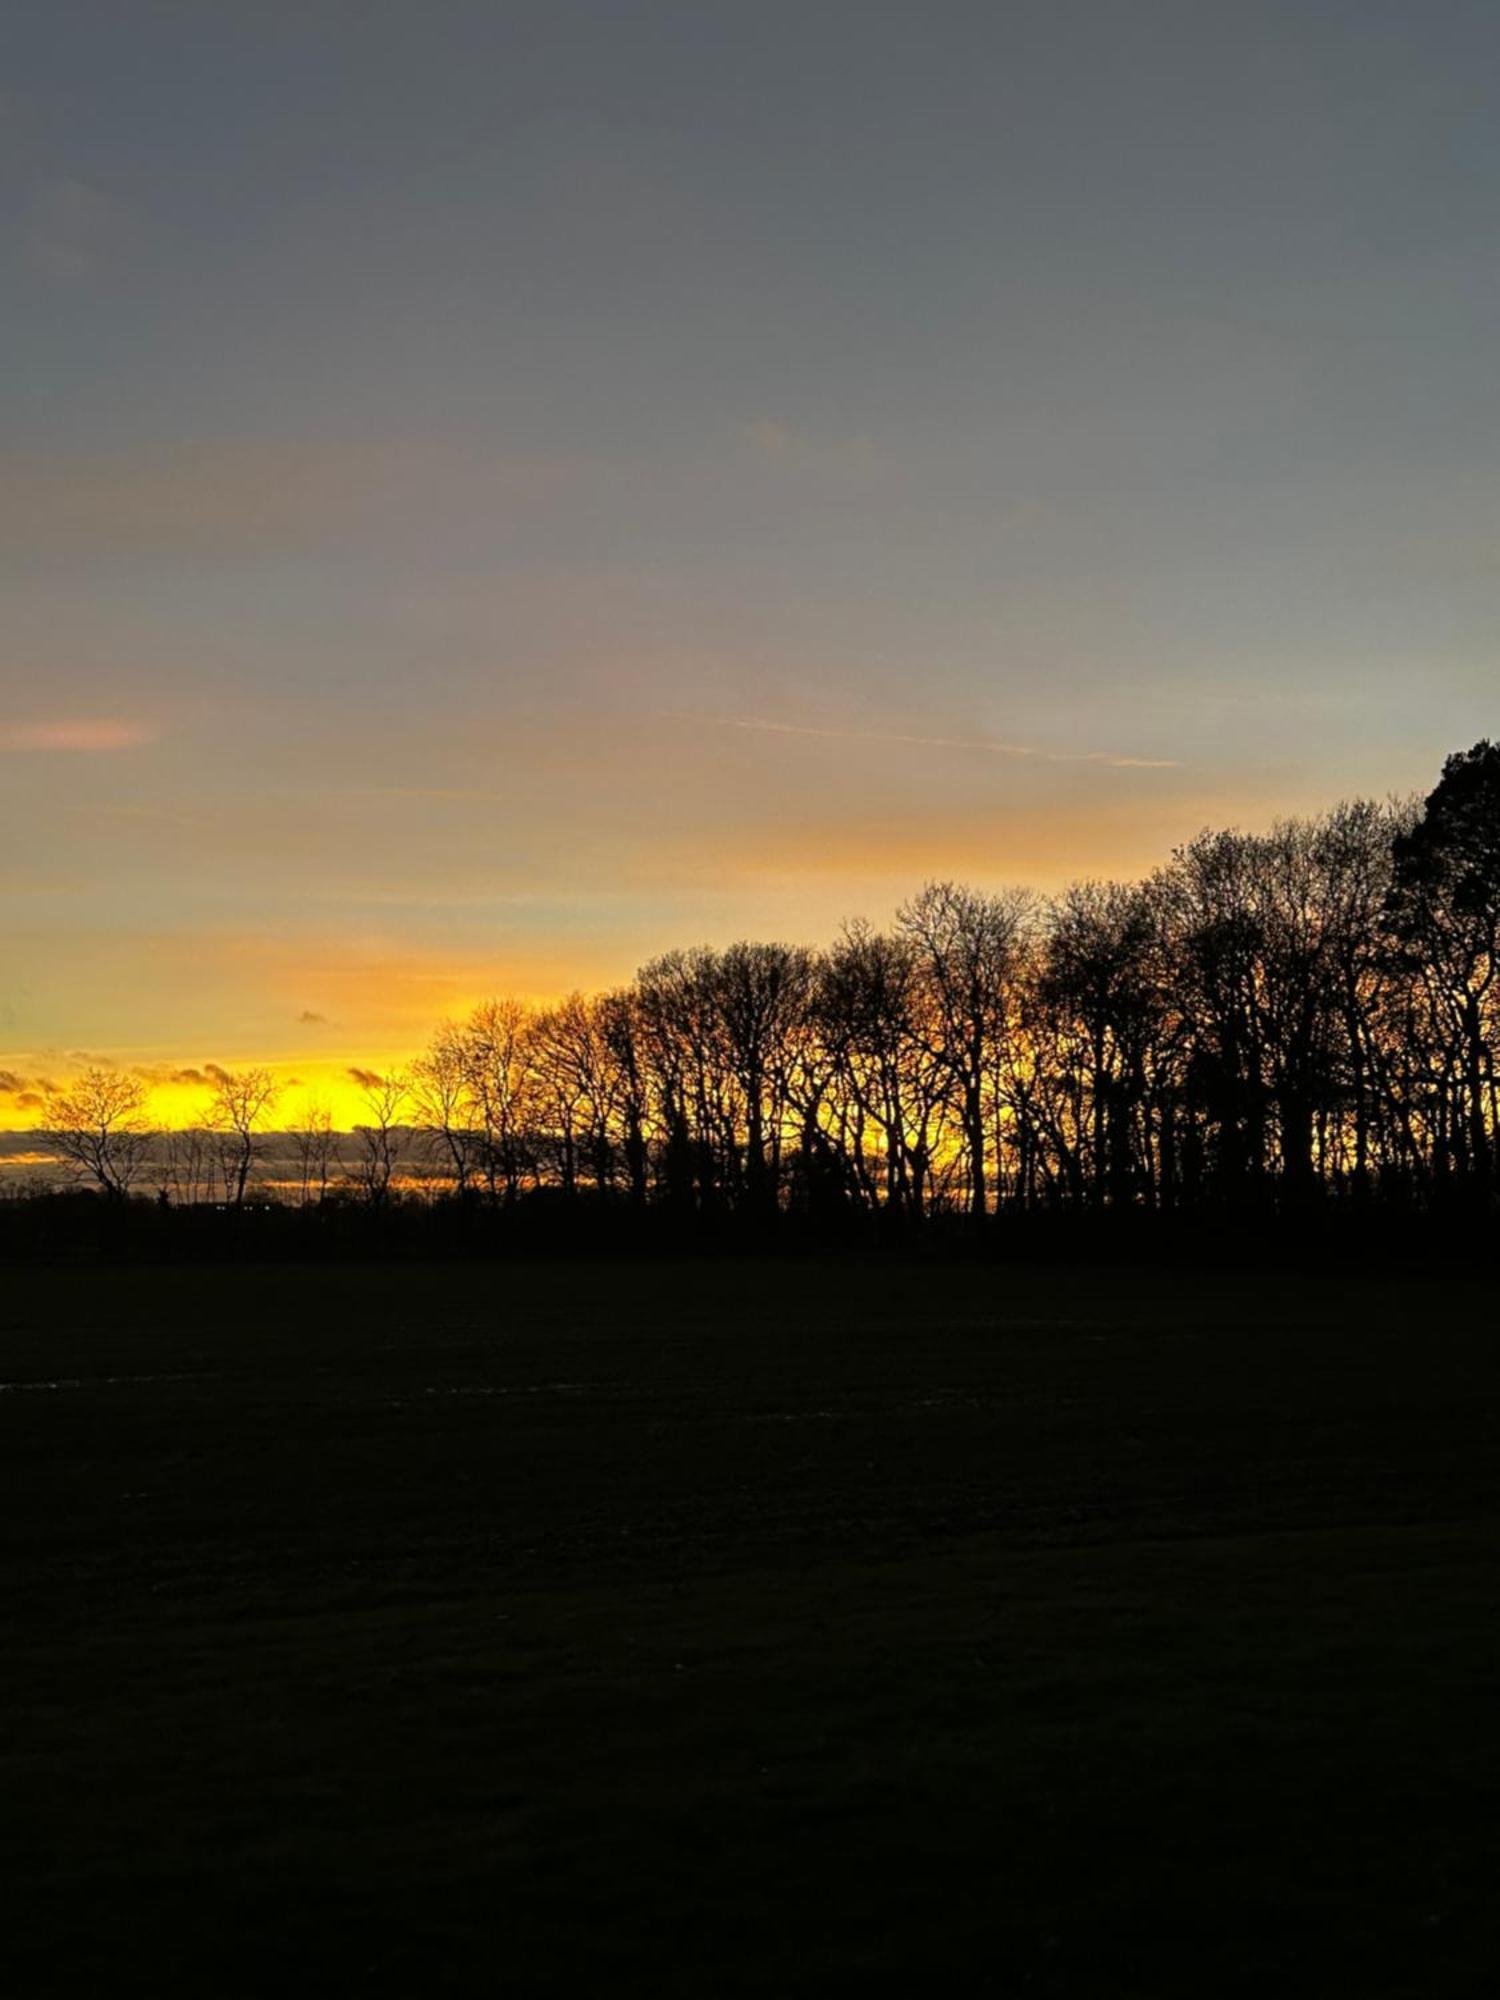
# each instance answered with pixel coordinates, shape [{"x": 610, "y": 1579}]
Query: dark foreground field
[{"x": 729, "y": 1629}]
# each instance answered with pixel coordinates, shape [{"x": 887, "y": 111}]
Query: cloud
[
  {"x": 19, "y": 1149},
  {"x": 86, "y": 734},
  {"x": 28, "y": 1091},
  {"x": 367, "y": 1079},
  {"x": 308, "y": 1019},
  {"x": 993, "y": 746},
  {"x": 166, "y": 1073}
]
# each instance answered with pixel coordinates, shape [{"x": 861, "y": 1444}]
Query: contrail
[{"x": 994, "y": 746}]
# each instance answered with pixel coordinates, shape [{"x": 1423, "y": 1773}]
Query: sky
[{"x": 489, "y": 492}]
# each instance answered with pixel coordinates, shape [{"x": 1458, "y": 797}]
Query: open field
[{"x": 714, "y": 1628}]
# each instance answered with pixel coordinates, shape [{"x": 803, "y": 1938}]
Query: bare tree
[
  {"x": 761, "y": 996},
  {"x": 562, "y": 1058},
  {"x": 444, "y": 1105},
  {"x": 316, "y": 1146},
  {"x": 1271, "y": 1018},
  {"x": 380, "y": 1139},
  {"x": 885, "y": 1103},
  {"x": 238, "y": 1102},
  {"x": 622, "y": 1050},
  {"x": 496, "y": 1058},
  {"x": 1444, "y": 909},
  {"x": 971, "y": 951},
  {"x": 97, "y": 1125},
  {"x": 186, "y": 1162},
  {"x": 1096, "y": 1038}
]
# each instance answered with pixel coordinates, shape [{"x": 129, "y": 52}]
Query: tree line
[{"x": 1270, "y": 1020}]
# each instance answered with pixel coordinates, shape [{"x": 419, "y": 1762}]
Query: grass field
[{"x": 726, "y": 1629}]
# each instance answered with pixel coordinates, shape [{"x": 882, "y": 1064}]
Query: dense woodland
[{"x": 1278, "y": 1021}]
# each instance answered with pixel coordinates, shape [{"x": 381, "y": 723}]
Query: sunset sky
[{"x": 489, "y": 492}]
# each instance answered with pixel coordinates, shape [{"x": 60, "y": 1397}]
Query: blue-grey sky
[{"x": 489, "y": 491}]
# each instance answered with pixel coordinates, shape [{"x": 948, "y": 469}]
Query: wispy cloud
[
  {"x": 989, "y": 745},
  {"x": 28, "y": 1091},
  {"x": 24, "y": 1093},
  {"x": 87, "y": 733}
]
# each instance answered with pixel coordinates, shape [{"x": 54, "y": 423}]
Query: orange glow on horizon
[
  {"x": 314, "y": 1007},
  {"x": 181, "y": 1100}
]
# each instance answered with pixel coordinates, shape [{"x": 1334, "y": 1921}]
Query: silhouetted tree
[
  {"x": 239, "y": 1101},
  {"x": 380, "y": 1137},
  {"x": 885, "y": 1103},
  {"x": 316, "y": 1146},
  {"x": 187, "y": 1165},
  {"x": 444, "y": 1102},
  {"x": 971, "y": 950},
  {"x": 1444, "y": 911},
  {"x": 97, "y": 1125},
  {"x": 1101, "y": 986},
  {"x": 627, "y": 1108},
  {"x": 496, "y": 1057},
  {"x": 1295, "y": 1017}
]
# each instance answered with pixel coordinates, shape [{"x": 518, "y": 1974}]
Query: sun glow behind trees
[{"x": 1316, "y": 1007}]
